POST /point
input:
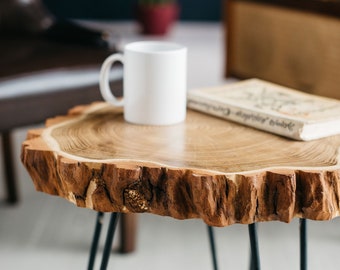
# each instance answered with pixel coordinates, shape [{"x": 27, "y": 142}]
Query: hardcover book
[{"x": 270, "y": 107}]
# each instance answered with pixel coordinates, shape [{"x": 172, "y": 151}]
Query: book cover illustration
[{"x": 270, "y": 107}]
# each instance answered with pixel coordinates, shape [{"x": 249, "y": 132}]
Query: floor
[{"x": 44, "y": 232}]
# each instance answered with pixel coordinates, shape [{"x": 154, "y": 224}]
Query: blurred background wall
[{"x": 191, "y": 10}]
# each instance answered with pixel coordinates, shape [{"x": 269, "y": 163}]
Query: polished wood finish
[
  {"x": 207, "y": 168},
  {"x": 128, "y": 234}
]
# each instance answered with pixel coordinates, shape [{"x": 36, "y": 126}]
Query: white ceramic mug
[{"x": 154, "y": 82}]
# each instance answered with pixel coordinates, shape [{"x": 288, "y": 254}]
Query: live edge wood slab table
[{"x": 206, "y": 167}]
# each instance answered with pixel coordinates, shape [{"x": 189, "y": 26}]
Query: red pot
[{"x": 157, "y": 19}]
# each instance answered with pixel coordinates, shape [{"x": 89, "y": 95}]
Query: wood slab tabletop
[{"x": 206, "y": 167}]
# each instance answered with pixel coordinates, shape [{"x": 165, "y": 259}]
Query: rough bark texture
[{"x": 205, "y": 168}]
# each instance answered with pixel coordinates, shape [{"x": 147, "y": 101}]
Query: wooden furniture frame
[{"x": 292, "y": 43}]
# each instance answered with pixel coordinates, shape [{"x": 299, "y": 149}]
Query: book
[{"x": 270, "y": 107}]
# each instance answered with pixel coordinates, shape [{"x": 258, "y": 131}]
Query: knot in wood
[{"x": 135, "y": 198}]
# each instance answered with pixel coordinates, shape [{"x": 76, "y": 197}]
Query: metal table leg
[
  {"x": 95, "y": 241},
  {"x": 255, "y": 257},
  {"x": 212, "y": 247},
  {"x": 108, "y": 242},
  {"x": 303, "y": 244},
  {"x": 109, "y": 239}
]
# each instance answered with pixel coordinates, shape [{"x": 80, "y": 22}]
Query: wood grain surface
[{"x": 206, "y": 167}]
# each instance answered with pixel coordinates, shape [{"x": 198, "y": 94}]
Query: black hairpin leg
[
  {"x": 255, "y": 257},
  {"x": 109, "y": 239},
  {"x": 303, "y": 244},
  {"x": 212, "y": 246},
  {"x": 95, "y": 241}
]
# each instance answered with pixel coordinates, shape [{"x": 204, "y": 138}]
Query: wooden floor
[{"x": 44, "y": 232}]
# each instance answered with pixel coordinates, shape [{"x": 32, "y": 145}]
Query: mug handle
[{"x": 104, "y": 80}]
